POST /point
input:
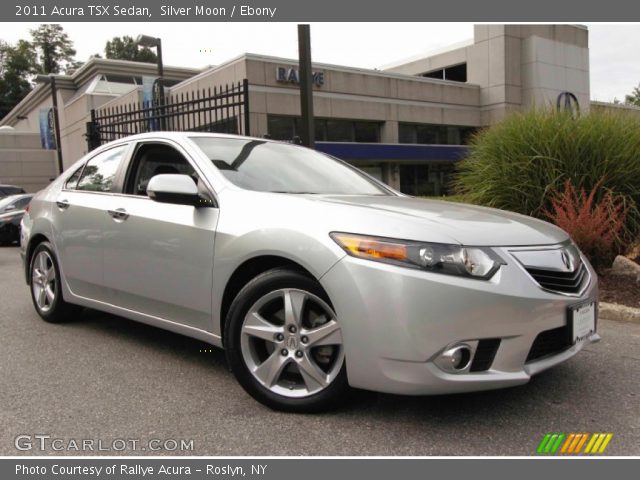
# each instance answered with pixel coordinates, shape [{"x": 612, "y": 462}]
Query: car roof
[{"x": 183, "y": 135}]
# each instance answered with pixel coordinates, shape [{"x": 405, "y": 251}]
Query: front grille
[
  {"x": 549, "y": 342},
  {"x": 565, "y": 282},
  {"x": 485, "y": 353}
]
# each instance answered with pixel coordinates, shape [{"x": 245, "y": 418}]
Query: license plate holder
[{"x": 582, "y": 321}]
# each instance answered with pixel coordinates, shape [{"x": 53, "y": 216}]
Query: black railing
[{"x": 223, "y": 109}]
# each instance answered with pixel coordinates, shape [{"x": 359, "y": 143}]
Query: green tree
[
  {"x": 634, "y": 97},
  {"x": 54, "y": 48},
  {"x": 17, "y": 64},
  {"x": 125, "y": 48}
]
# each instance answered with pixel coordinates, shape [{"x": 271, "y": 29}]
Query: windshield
[{"x": 278, "y": 167}]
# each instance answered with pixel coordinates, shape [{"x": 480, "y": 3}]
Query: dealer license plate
[{"x": 582, "y": 321}]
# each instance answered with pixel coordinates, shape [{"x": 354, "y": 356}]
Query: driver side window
[{"x": 153, "y": 159}]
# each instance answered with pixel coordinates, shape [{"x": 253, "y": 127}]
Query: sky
[{"x": 614, "y": 59}]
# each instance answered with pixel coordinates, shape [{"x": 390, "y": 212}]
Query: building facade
[{"x": 406, "y": 124}]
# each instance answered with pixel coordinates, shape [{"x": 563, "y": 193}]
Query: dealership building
[{"x": 406, "y": 124}]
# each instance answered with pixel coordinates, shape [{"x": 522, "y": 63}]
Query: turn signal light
[{"x": 371, "y": 248}]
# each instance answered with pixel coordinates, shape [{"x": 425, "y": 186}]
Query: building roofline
[
  {"x": 429, "y": 54},
  {"x": 621, "y": 106},
  {"x": 33, "y": 98},
  {"x": 87, "y": 72},
  {"x": 106, "y": 65},
  {"x": 367, "y": 71},
  {"x": 328, "y": 66}
]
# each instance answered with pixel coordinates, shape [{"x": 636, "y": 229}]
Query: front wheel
[
  {"x": 284, "y": 343},
  {"x": 46, "y": 291}
]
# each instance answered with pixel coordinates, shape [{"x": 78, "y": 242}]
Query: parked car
[
  {"x": 313, "y": 276},
  {"x": 6, "y": 190},
  {"x": 12, "y": 209}
]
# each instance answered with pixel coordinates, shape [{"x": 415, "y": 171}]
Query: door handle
[
  {"x": 63, "y": 204},
  {"x": 119, "y": 214}
]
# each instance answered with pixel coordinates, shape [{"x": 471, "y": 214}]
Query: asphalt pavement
[{"x": 115, "y": 382}]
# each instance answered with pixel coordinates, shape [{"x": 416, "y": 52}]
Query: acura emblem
[
  {"x": 292, "y": 342},
  {"x": 566, "y": 259}
]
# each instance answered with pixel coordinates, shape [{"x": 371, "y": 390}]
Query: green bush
[{"x": 518, "y": 164}]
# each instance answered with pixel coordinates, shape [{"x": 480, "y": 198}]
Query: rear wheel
[
  {"x": 284, "y": 343},
  {"x": 46, "y": 291}
]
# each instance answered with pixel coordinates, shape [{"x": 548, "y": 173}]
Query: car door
[
  {"x": 158, "y": 257},
  {"x": 78, "y": 216}
]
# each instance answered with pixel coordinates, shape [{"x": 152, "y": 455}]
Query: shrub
[
  {"x": 517, "y": 164},
  {"x": 596, "y": 227}
]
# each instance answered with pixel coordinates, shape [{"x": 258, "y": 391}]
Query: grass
[{"x": 517, "y": 164}]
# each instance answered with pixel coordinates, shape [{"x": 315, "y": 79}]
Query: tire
[
  {"x": 45, "y": 287},
  {"x": 287, "y": 358}
]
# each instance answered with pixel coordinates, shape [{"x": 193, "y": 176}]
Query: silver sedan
[{"x": 314, "y": 277}]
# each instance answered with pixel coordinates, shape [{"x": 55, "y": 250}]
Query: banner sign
[{"x": 47, "y": 128}]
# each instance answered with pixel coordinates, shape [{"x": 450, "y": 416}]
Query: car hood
[{"x": 430, "y": 220}]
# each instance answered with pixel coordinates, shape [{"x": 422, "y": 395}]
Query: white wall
[{"x": 23, "y": 162}]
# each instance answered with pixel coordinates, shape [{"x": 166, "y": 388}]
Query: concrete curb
[{"x": 621, "y": 313}]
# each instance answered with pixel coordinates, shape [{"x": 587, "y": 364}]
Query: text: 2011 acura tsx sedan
[{"x": 313, "y": 276}]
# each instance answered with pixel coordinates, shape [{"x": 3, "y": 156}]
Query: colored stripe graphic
[
  {"x": 572, "y": 443},
  {"x": 598, "y": 443},
  {"x": 594, "y": 437},
  {"x": 550, "y": 443},
  {"x": 581, "y": 443},
  {"x": 556, "y": 445},
  {"x": 543, "y": 443},
  {"x": 565, "y": 447}
]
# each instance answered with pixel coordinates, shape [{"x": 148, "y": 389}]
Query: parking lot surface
[{"x": 104, "y": 378}]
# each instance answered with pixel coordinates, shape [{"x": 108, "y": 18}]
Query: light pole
[
  {"x": 51, "y": 80},
  {"x": 306, "y": 85},
  {"x": 155, "y": 42}
]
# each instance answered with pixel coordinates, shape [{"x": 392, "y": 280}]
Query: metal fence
[{"x": 223, "y": 109}]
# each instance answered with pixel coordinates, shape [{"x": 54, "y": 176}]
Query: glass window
[
  {"x": 100, "y": 171},
  {"x": 153, "y": 159},
  {"x": 326, "y": 129},
  {"x": 407, "y": 133},
  {"x": 339, "y": 131},
  {"x": 276, "y": 167},
  {"x": 23, "y": 202},
  {"x": 321, "y": 130},
  {"x": 368, "y": 132},
  {"x": 72, "y": 181},
  {"x": 429, "y": 134},
  {"x": 281, "y": 128}
]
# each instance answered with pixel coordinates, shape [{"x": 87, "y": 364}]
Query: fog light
[{"x": 455, "y": 359}]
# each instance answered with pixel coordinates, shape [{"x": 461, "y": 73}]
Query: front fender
[{"x": 315, "y": 253}]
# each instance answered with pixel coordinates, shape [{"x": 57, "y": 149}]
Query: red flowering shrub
[{"x": 598, "y": 228}]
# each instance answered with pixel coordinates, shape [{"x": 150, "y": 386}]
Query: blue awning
[{"x": 393, "y": 151}]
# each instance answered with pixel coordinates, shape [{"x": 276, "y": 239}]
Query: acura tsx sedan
[{"x": 314, "y": 277}]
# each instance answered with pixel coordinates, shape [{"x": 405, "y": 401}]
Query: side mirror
[
  {"x": 173, "y": 188},
  {"x": 9, "y": 207}
]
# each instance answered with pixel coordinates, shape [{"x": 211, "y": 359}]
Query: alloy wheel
[
  {"x": 291, "y": 343},
  {"x": 43, "y": 281}
]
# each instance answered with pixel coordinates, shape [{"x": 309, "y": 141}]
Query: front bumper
[{"x": 396, "y": 321}]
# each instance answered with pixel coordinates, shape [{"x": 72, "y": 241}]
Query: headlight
[{"x": 473, "y": 262}]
